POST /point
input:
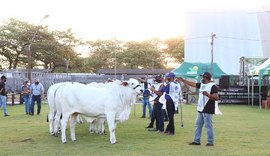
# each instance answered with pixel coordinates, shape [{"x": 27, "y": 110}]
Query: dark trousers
[
  {"x": 36, "y": 98},
  {"x": 153, "y": 117},
  {"x": 170, "y": 109},
  {"x": 159, "y": 117},
  {"x": 165, "y": 115}
]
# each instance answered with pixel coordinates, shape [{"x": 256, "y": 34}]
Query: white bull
[
  {"x": 51, "y": 104},
  {"x": 112, "y": 102}
]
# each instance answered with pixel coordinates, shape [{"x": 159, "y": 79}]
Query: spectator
[
  {"x": 146, "y": 96},
  {"x": 37, "y": 90},
  {"x": 26, "y": 96},
  {"x": 3, "y": 95}
]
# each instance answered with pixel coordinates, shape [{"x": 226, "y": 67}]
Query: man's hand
[
  {"x": 205, "y": 93},
  {"x": 152, "y": 88}
]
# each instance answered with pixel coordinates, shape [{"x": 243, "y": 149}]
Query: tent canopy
[
  {"x": 194, "y": 69},
  {"x": 256, "y": 71},
  {"x": 263, "y": 72}
]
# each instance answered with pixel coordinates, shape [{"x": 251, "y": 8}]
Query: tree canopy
[{"x": 56, "y": 50}]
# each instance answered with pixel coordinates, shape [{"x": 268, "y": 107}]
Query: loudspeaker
[{"x": 224, "y": 80}]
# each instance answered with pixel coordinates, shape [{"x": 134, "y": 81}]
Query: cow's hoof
[
  {"x": 113, "y": 142},
  {"x": 64, "y": 142},
  {"x": 51, "y": 133}
]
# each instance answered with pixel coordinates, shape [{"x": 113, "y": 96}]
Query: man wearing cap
[
  {"x": 3, "y": 95},
  {"x": 157, "y": 112},
  {"x": 37, "y": 90},
  {"x": 208, "y": 94},
  {"x": 169, "y": 91}
]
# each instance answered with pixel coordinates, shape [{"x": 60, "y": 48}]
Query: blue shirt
[
  {"x": 36, "y": 89},
  {"x": 171, "y": 90}
]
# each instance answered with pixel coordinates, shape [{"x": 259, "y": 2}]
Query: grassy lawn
[{"x": 241, "y": 130}]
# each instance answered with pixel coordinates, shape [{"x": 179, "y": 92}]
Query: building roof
[{"x": 133, "y": 71}]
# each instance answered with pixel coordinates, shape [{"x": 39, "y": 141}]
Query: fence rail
[{"x": 15, "y": 79}]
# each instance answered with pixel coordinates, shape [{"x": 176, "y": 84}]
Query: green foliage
[
  {"x": 129, "y": 55},
  {"x": 49, "y": 48},
  {"x": 241, "y": 130},
  {"x": 175, "y": 48},
  {"x": 55, "y": 50}
]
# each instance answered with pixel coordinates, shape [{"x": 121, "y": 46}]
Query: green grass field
[{"x": 241, "y": 130}]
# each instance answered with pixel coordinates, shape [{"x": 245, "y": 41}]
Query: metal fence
[{"x": 15, "y": 81}]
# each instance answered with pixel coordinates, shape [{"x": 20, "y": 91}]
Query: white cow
[
  {"x": 112, "y": 102},
  {"x": 51, "y": 104}
]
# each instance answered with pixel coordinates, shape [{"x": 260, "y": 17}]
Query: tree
[
  {"x": 56, "y": 48},
  {"x": 175, "y": 49},
  {"x": 48, "y": 49},
  {"x": 102, "y": 54},
  {"x": 13, "y": 37},
  {"x": 140, "y": 55}
]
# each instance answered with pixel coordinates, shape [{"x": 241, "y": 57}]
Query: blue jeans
[
  {"x": 3, "y": 102},
  {"x": 27, "y": 103},
  {"x": 38, "y": 99},
  {"x": 146, "y": 103},
  {"x": 204, "y": 118}
]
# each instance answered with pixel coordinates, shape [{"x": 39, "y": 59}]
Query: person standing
[
  {"x": 157, "y": 112},
  {"x": 146, "y": 96},
  {"x": 37, "y": 90},
  {"x": 208, "y": 94},
  {"x": 169, "y": 92},
  {"x": 26, "y": 96},
  {"x": 3, "y": 95}
]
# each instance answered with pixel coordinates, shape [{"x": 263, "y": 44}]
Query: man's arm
[
  {"x": 155, "y": 91},
  {"x": 190, "y": 83},
  {"x": 213, "y": 95},
  {"x": 1, "y": 87},
  {"x": 142, "y": 80}
]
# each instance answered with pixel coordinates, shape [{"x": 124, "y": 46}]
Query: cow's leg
[
  {"x": 92, "y": 128},
  {"x": 72, "y": 122},
  {"x": 101, "y": 126},
  {"x": 112, "y": 126},
  {"x": 57, "y": 123},
  {"x": 51, "y": 122},
  {"x": 64, "y": 121},
  {"x": 79, "y": 119}
]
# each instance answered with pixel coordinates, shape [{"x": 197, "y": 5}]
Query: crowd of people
[
  {"x": 164, "y": 93},
  {"x": 31, "y": 93}
]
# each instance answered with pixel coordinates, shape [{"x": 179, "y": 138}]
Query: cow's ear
[{"x": 124, "y": 83}]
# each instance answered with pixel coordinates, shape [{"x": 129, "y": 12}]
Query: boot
[{"x": 150, "y": 125}]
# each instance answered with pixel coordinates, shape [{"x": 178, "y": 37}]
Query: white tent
[
  {"x": 239, "y": 32},
  {"x": 256, "y": 71},
  {"x": 253, "y": 75}
]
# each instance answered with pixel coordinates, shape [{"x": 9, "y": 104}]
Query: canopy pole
[
  {"x": 248, "y": 90},
  {"x": 252, "y": 90}
]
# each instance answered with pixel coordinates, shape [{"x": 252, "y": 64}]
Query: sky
[{"x": 120, "y": 19}]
